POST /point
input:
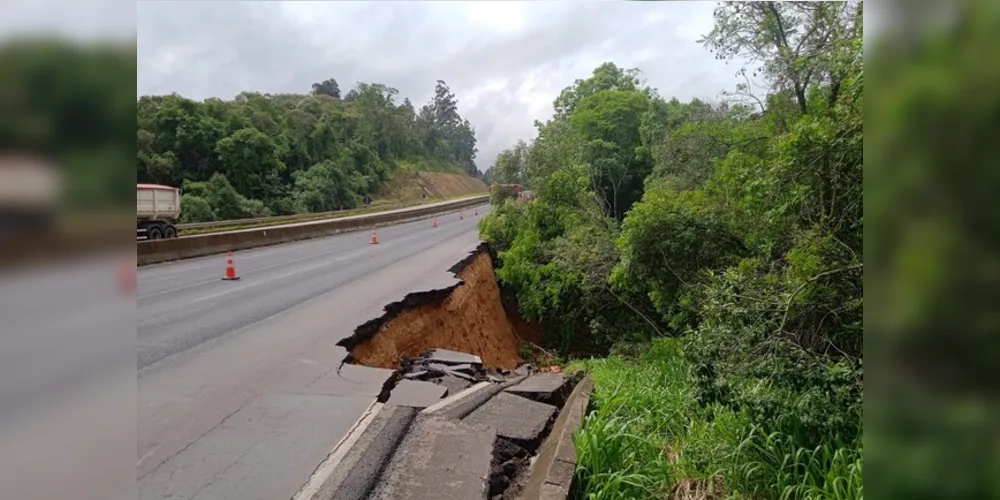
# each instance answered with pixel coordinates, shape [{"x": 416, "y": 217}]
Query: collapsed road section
[
  {"x": 462, "y": 416},
  {"x": 484, "y": 442},
  {"x": 466, "y": 316}
]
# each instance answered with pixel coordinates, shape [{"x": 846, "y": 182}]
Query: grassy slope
[
  {"x": 437, "y": 181},
  {"x": 649, "y": 438}
]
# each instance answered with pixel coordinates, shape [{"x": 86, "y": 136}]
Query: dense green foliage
[
  {"x": 736, "y": 227},
  {"x": 649, "y": 437},
  {"x": 259, "y": 155},
  {"x": 932, "y": 249},
  {"x": 69, "y": 104}
]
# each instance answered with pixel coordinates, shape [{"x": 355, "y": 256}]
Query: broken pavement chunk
[
  {"x": 461, "y": 375},
  {"x": 452, "y": 357},
  {"x": 438, "y": 458},
  {"x": 513, "y": 417},
  {"x": 416, "y": 394},
  {"x": 436, "y": 367},
  {"x": 549, "y": 388},
  {"x": 465, "y": 368},
  {"x": 416, "y": 375},
  {"x": 454, "y": 385}
]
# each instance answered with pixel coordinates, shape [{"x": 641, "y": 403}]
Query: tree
[
  {"x": 792, "y": 44},
  {"x": 327, "y": 87},
  {"x": 607, "y": 76},
  {"x": 608, "y": 124},
  {"x": 253, "y": 159},
  {"x": 510, "y": 165},
  {"x": 446, "y": 132},
  {"x": 326, "y": 186}
]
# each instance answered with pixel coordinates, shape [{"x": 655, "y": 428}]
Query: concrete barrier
[
  {"x": 151, "y": 252},
  {"x": 552, "y": 475}
]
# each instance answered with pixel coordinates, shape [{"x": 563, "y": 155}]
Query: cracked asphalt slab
[{"x": 240, "y": 387}]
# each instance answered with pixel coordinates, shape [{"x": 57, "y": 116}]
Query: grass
[
  {"x": 418, "y": 164},
  {"x": 647, "y": 437}
]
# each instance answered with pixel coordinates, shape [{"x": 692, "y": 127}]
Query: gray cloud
[
  {"x": 505, "y": 61},
  {"x": 74, "y": 19}
]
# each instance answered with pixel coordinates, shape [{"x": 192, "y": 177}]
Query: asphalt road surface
[{"x": 239, "y": 392}]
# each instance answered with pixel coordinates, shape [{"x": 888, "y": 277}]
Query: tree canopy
[
  {"x": 735, "y": 226},
  {"x": 289, "y": 153}
]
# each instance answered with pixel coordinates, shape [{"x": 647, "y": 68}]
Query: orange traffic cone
[
  {"x": 434, "y": 223},
  {"x": 230, "y": 269},
  {"x": 374, "y": 238},
  {"x": 127, "y": 278}
]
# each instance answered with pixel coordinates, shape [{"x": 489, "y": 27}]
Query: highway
[{"x": 239, "y": 392}]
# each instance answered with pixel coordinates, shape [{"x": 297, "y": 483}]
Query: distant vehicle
[
  {"x": 156, "y": 209},
  {"x": 514, "y": 190},
  {"x": 30, "y": 188}
]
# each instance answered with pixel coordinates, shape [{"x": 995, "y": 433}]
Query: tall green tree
[
  {"x": 608, "y": 126},
  {"x": 253, "y": 159},
  {"x": 328, "y": 87}
]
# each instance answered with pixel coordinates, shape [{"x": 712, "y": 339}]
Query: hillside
[
  {"x": 259, "y": 155},
  {"x": 715, "y": 252},
  {"x": 411, "y": 187}
]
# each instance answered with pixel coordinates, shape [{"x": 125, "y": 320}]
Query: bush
[
  {"x": 195, "y": 209},
  {"x": 501, "y": 226},
  {"x": 501, "y": 192}
]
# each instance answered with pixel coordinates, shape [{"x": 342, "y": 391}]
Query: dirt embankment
[
  {"x": 409, "y": 187},
  {"x": 470, "y": 318}
]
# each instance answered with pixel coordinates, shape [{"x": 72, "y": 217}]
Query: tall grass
[{"x": 647, "y": 437}]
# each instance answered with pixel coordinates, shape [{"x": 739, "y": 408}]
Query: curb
[
  {"x": 351, "y": 470},
  {"x": 552, "y": 474}
]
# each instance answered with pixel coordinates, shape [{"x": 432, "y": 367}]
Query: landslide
[
  {"x": 469, "y": 318},
  {"x": 409, "y": 187}
]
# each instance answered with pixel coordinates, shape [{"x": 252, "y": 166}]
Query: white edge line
[{"x": 325, "y": 469}]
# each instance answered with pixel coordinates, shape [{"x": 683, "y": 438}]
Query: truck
[
  {"x": 30, "y": 189},
  {"x": 157, "y": 207}
]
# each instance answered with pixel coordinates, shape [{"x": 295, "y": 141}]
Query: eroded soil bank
[{"x": 468, "y": 318}]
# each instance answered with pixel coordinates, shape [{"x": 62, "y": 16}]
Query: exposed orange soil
[{"x": 471, "y": 319}]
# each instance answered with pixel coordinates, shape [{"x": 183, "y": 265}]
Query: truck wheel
[
  {"x": 154, "y": 233},
  {"x": 170, "y": 232}
]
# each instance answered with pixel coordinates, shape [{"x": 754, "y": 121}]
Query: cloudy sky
[{"x": 505, "y": 61}]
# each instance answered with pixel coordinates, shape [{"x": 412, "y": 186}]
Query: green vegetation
[
  {"x": 718, "y": 246},
  {"x": 259, "y": 155},
  {"x": 650, "y": 437},
  {"x": 69, "y": 105}
]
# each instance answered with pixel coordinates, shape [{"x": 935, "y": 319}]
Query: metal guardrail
[
  {"x": 152, "y": 251},
  {"x": 276, "y": 218},
  {"x": 305, "y": 216}
]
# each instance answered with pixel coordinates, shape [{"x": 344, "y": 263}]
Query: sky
[{"x": 505, "y": 61}]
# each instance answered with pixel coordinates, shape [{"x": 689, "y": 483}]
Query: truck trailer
[{"x": 157, "y": 207}]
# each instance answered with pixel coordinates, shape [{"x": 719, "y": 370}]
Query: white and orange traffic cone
[
  {"x": 127, "y": 277},
  {"x": 230, "y": 269},
  {"x": 374, "y": 238}
]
